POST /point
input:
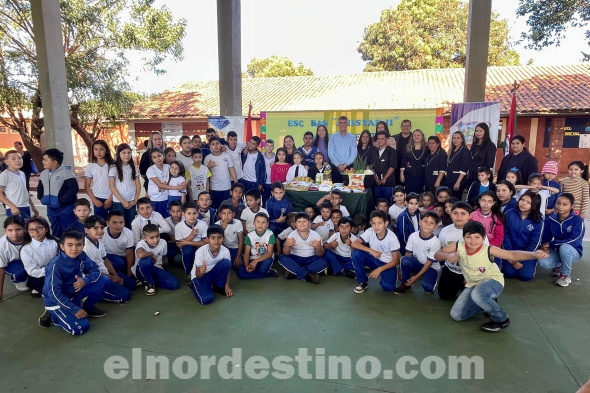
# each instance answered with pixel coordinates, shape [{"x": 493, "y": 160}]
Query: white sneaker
[
  {"x": 21, "y": 286},
  {"x": 563, "y": 281}
]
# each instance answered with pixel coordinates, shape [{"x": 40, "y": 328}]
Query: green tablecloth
[{"x": 356, "y": 203}]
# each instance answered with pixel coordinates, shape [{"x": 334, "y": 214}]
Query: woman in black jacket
[
  {"x": 365, "y": 147},
  {"x": 457, "y": 165},
  {"x": 435, "y": 165},
  {"x": 482, "y": 152},
  {"x": 412, "y": 166},
  {"x": 520, "y": 158}
]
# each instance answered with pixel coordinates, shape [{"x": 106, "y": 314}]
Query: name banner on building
[
  {"x": 280, "y": 124},
  {"x": 576, "y": 132},
  {"x": 225, "y": 124}
]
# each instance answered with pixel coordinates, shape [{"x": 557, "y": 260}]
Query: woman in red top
[{"x": 278, "y": 170}]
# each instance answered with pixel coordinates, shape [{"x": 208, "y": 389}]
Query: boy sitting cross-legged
[
  {"x": 70, "y": 277},
  {"x": 378, "y": 249},
  {"x": 146, "y": 215},
  {"x": 303, "y": 252},
  {"x": 338, "y": 249},
  {"x": 419, "y": 259},
  {"x": 233, "y": 233},
  {"x": 258, "y": 252},
  {"x": 483, "y": 280},
  {"x": 150, "y": 254},
  {"x": 118, "y": 243},
  {"x": 212, "y": 268}
]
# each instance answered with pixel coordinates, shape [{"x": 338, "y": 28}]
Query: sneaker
[
  {"x": 21, "y": 286},
  {"x": 95, "y": 312},
  {"x": 313, "y": 278},
  {"x": 361, "y": 287},
  {"x": 273, "y": 273},
  {"x": 187, "y": 279},
  {"x": 348, "y": 273},
  {"x": 329, "y": 271},
  {"x": 563, "y": 280},
  {"x": 429, "y": 292},
  {"x": 556, "y": 272},
  {"x": 35, "y": 294},
  {"x": 219, "y": 290},
  {"x": 290, "y": 276},
  {"x": 402, "y": 288},
  {"x": 45, "y": 320},
  {"x": 494, "y": 327},
  {"x": 150, "y": 289}
]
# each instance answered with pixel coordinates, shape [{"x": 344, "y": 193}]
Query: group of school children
[{"x": 195, "y": 214}]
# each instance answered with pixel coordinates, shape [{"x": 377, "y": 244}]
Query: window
[{"x": 547, "y": 133}]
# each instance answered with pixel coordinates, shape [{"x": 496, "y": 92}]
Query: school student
[
  {"x": 199, "y": 175},
  {"x": 120, "y": 285},
  {"x": 146, "y": 215},
  {"x": 206, "y": 212},
  {"x": 10, "y": 245},
  {"x": 124, "y": 184},
  {"x": 253, "y": 199},
  {"x": 408, "y": 221},
  {"x": 190, "y": 235},
  {"x": 233, "y": 233},
  {"x": 118, "y": 243},
  {"x": 308, "y": 150},
  {"x": 82, "y": 212},
  {"x": 535, "y": 183},
  {"x": 220, "y": 164},
  {"x": 13, "y": 187},
  {"x": 322, "y": 224},
  {"x": 150, "y": 256},
  {"x": 177, "y": 178},
  {"x": 488, "y": 213},
  {"x": 335, "y": 198},
  {"x": 159, "y": 175},
  {"x": 523, "y": 231},
  {"x": 258, "y": 250},
  {"x": 71, "y": 277},
  {"x": 253, "y": 166},
  {"x": 482, "y": 184},
  {"x": 211, "y": 268},
  {"x": 549, "y": 172},
  {"x": 185, "y": 155},
  {"x": 297, "y": 169},
  {"x": 38, "y": 249},
  {"x": 303, "y": 252},
  {"x": 451, "y": 280},
  {"x": 278, "y": 207},
  {"x": 577, "y": 184},
  {"x": 57, "y": 189},
  {"x": 97, "y": 178},
  {"x": 281, "y": 237},
  {"x": 399, "y": 205},
  {"x": 378, "y": 249},
  {"x": 235, "y": 199},
  {"x": 419, "y": 260},
  {"x": 505, "y": 192},
  {"x": 175, "y": 211},
  {"x": 562, "y": 239},
  {"x": 338, "y": 251},
  {"x": 269, "y": 160},
  {"x": 483, "y": 280}
]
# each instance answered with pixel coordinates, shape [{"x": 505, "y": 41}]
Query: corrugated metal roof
[{"x": 543, "y": 89}]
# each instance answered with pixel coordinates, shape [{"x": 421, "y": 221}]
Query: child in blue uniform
[
  {"x": 70, "y": 277},
  {"x": 408, "y": 221},
  {"x": 211, "y": 269},
  {"x": 562, "y": 239},
  {"x": 338, "y": 251},
  {"x": 278, "y": 208},
  {"x": 82, "y": 212},
  {"x": 258, "y": 252},
  {"x": 190, "y": 235}
]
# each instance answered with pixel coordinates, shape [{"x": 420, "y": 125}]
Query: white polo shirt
[
  {"x": 385, "y": 246},
  {"x": 204, "y": 256},
  {"x": 342, "y": 248},
  {"x": 120, "y": 244},
  {"x": 100, "y": 179},
  {"x": 424, "y": 249},
  {"x": 159, "y": 251},
  {"x": 303, "y": 247},
  {"x": 36, "y": 255}
]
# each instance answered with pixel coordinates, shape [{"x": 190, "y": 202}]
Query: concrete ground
[{"x": 544, "y": 350}]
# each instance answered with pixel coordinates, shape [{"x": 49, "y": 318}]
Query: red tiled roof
[{"x": 543, "y": 89}]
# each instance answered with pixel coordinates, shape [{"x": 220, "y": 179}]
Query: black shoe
[
  {"x": 329, "y": 271},
  {"x": 348, "y": 273},
  {"x": 402, "y": 288},
  {"x": 187, "y": 279},
  {"x": 45, "y": 320},
  {"x": 494, "y": 327},
  {"x": 360, "y": 288},
  {"x": 486, "y": 314},
  {"x": 219, "y": 290},
  {"x": 290, "y": 276},
  {"x": 313, "y": 278},
  {"x": 273, "y": 273},
  {"x": 150, "y": 289},
  {"x": 35, "y": 294},
  {"x": 95, "y": 312}
]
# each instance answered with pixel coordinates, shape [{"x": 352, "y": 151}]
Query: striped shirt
[{"x": 580, "y": 189}]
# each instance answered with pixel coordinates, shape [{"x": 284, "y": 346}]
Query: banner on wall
[
  {"x": 576, "y": 132},
  {"x": 279, "y": 124},
  {"x": 464, "y": 118},
  {"x": 225, "y": 124}
]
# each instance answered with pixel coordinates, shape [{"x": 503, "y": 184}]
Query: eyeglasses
[{"x": 37, "y": 229}]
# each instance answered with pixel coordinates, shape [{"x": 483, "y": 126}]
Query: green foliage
[
  {"x": 429, "y": 34},
  {"x": 275, "y": 66},
  {"x": 99, "y": 37},
  {"x": 549, "y": 19}
]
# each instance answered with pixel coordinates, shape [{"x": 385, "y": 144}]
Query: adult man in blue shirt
[{"x": 342, "y": 146}]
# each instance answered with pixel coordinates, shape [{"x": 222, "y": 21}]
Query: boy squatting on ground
[
  {"x": 483, "y": 280},
  {"x": 70, "y": 277}
]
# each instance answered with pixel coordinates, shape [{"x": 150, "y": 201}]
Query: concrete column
[
  {"x": 230, "y": 57},
  {"x": 478, "y": 39},
  {"x": 52, "y": 76}
]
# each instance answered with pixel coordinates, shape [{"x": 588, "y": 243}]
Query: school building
[{"x": 553, "y": 102}]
